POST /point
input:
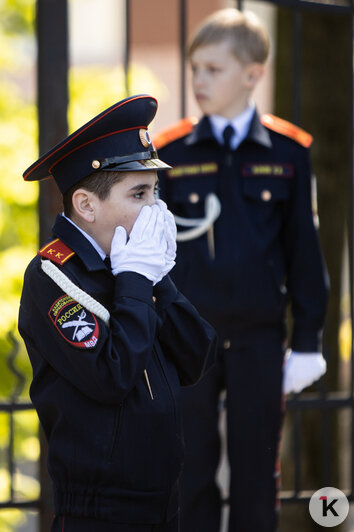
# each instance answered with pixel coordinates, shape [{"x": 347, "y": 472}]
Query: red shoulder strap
[
  {"x": 56, "y": 251},
  {"x": 175, "y": 131},
  {"x": 288, "y": 129}
]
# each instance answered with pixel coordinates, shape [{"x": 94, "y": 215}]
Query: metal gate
[{"x": 52, "y": 38}]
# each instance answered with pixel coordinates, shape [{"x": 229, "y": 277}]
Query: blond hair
[{"x": 248, "y": 37}]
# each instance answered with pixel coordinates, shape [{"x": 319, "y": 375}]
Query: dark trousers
[
  {"x": 67, "y": 523},
  {"x": 251, "y": 372}
]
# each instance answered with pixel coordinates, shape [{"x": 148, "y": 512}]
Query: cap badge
[
  {"x": 96, "y": 164},
  {"x": 144, "y": 138}
]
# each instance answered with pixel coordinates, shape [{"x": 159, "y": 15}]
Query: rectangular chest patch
[
  {"x": 283, "y": 170},
  {"x": 192, "y": 170}
]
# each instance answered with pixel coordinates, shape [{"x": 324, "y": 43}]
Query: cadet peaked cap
[{"x": 115, "y": 140}]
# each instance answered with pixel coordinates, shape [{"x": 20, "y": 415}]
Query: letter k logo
[{"x": 328, "y": 507}]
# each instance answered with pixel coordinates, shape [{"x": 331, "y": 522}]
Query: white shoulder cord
[
  {"x": 81, "y": 297},
  {"x": 74, "y": 291},
  {"x": 199, "y": 225}
]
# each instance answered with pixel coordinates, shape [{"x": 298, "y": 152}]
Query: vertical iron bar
[
  {"x": 325, "y": 448},
  {"x": 182, "y": 44},
  {"x": 127, "y": 48},
  {"x": 351, "y": 243},
  {"x": 11, "y": 464},
  {"x": 52, "y": 97},
  {"x": 52, "y": 73},
  {"x": 296, "y": 118},
  {"x": 297, "y": 448}
]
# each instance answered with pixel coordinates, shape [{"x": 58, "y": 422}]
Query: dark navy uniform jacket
[
  {"x": 114, "y": 452},
  {"x": 266, "y": 246}
]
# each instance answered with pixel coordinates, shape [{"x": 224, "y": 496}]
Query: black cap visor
[{"x": 134, "y": 162}]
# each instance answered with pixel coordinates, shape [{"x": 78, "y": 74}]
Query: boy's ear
[
  {"x": 84, "y": 204},
  {"x": 253, "y": 74}
]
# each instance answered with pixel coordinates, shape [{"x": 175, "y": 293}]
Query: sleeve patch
[
  {"x": 56, "y": 251},
  {"x": 174, "y": 132},
  {"x": 77, "y": 325},
  {"x": 287, "y": 129}
]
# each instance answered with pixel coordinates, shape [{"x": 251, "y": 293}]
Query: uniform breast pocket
[
  {"x": 266, "y": 191},
  {"x": 187, "y": 198}
]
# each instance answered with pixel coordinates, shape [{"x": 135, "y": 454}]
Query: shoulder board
[
  {"x": 174, "y": 132},
  {"x": 56, "y": 251},
  {"x": 288, "y": 129}
]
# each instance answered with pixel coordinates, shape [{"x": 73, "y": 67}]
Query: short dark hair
[{"x": 100, "y": 183}]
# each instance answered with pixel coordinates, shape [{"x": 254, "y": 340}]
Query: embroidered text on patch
[
  {"x": 76, "y": 324},
  {"x": 265, "y": 169}
]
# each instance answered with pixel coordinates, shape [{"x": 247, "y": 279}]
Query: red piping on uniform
[
  {"x": 62, "y": 523},
  {"x": 83, "y": 129},
  {"x": 94, "y": 140}
]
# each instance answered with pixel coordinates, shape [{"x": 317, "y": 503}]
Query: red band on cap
[{"x": 83, "y": 128}]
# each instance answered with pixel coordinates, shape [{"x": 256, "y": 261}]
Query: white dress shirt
[
  {"x": 89, "y": 238},
  {"x": 241, "y": 124}
]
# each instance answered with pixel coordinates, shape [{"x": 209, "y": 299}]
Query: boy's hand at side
[
  {"x": 145, "y": 251},
  {"x": 301, "y": 370}
]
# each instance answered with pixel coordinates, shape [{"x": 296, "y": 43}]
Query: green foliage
[
  {"x": 18, "y": 134},
  {"x": 17, "y": 16},
  {"x": 18, "y": 242},
  {"x": 93, "y": 88}
]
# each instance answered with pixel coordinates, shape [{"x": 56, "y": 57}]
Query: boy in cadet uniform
[
  {"x": 240, "y": 187},
  {"x": 110, "y": 344}
]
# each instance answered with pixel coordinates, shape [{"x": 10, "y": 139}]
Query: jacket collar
[
  {"x": 257, "y": 133},
  {"x": 76, "y": 241},
  {"x": 201, "y": 133}
]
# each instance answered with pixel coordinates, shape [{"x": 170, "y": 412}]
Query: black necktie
[
  {"x": 107, "y": 262},
  {"x": 227, "y": 136}
]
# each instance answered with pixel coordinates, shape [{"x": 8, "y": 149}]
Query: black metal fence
[
  {"x": 10, "y": 408},
  {"x": 52, "y": 41}
]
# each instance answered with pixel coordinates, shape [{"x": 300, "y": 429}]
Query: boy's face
[
  {"x": 221, "y": 83},
  {"x": 122, "y": 206}
]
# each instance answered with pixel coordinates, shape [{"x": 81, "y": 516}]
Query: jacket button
[
  {"x": 266, "y": 195},
  {"x": 154, "y": 299},
  {"x": 226, "y": 344},
  {"x": 193, "y": 197}
]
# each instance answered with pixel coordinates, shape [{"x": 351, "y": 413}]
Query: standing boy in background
[
  {"x": 109, "y": 336},
  {"x": 244, "y": 182}
]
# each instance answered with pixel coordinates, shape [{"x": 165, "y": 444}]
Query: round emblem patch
[
  {"x": 76, "y": 324},
  {"x": 144, "y": 138}
]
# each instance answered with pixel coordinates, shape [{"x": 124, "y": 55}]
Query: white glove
[
  {"x": 146, "y": 248},
  {"x": 170, "y": 234},
  {"x": 301, "y": 370}
]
